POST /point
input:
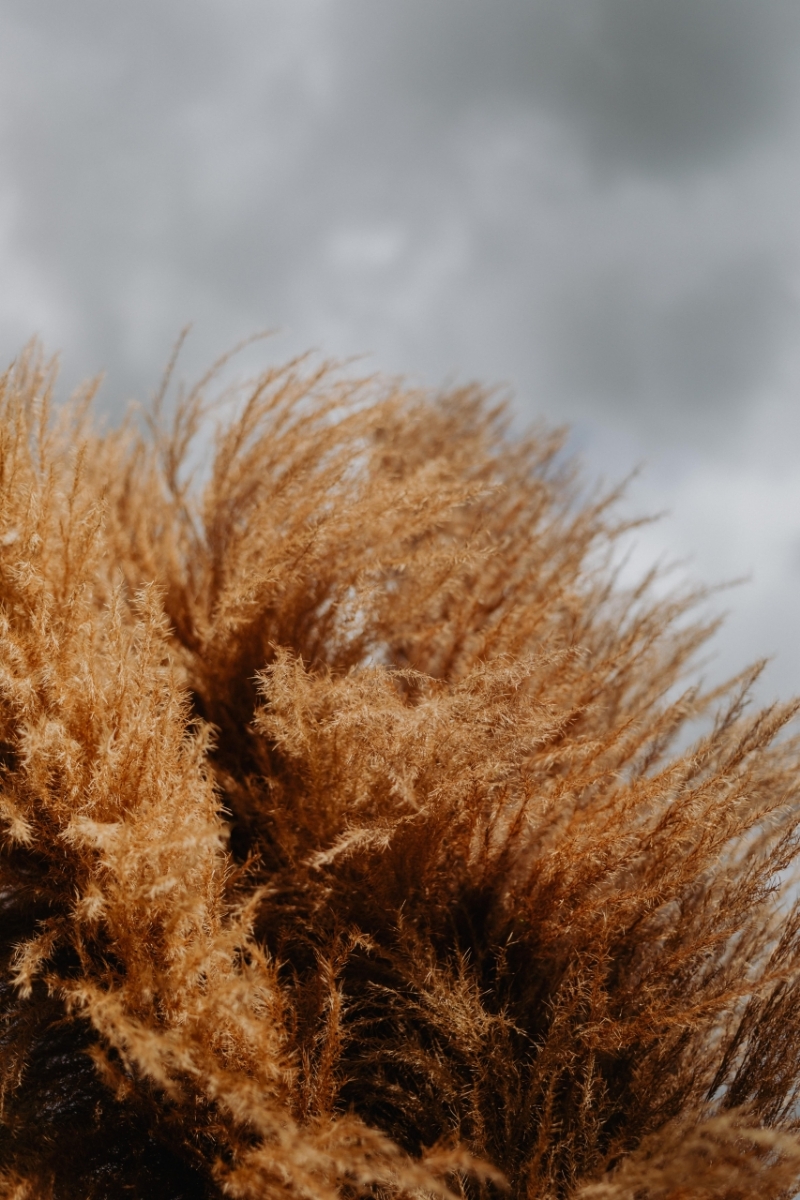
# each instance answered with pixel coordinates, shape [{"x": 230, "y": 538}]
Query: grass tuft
[{"x": 347, "y": 843}]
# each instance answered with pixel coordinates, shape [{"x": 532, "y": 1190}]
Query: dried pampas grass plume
[{"x": 347, "y": 842}]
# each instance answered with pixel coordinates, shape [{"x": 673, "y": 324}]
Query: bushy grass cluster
[{"x": 348, "y": 842}]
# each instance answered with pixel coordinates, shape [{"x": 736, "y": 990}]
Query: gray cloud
[
  {"x": 684, "y": 355},
  {"x": 645, "y": 85},
  {"x": 678, "y": 86},
  {"x": 169, "y": 161}
]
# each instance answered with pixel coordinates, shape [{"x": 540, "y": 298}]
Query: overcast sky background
[{"x": 596, "y": 202}]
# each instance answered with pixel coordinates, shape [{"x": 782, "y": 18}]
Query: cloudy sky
[{"x": 596, "y": 202}]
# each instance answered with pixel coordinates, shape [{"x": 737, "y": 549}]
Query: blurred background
[{"x": 593, "y": 202}]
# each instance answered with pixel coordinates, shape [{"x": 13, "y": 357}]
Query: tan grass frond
[{"x": 344, "y": 845}]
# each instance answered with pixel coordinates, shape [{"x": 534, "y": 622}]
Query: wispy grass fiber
[{"x": 347, "y": 845}]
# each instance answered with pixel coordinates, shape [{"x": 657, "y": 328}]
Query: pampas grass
[{"x": 348, "y": 844}]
